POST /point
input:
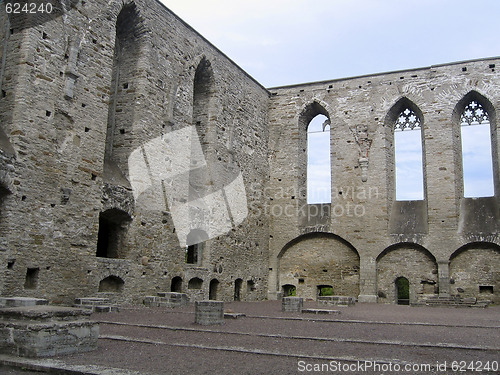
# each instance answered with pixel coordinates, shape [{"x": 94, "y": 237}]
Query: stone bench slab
[{"x": 320, "y": 311}]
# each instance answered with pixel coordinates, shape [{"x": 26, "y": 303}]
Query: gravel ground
[{"x": 157, "y": 341}]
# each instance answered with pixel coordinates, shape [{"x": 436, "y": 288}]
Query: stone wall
[
  {"x": 97, "y": 107},
  {"x": 474, "y": 272},
  {"x": 320, "y": 260},
  {"x": 364, "y": 211},
  {"x": 80, "y": 93}
]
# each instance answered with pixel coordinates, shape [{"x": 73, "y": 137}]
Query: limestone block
[
  {"x": 292, "y": 304},
  {"x": 209, "y": 312},
  {"x": 45, "y": 331}
]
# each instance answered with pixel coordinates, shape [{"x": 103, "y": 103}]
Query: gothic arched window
[
  {"x": 318, "y": 160},
  {"x": 408, "y": 153},
  {"x": 477, "y": 161}
]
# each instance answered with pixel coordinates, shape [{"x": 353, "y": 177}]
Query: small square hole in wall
[
  {"x": 486, "y": 289},
  {"x": 10, "y": 264},
  {"x": 31, "y": 281},
  {"x": 301, "y": 281}
]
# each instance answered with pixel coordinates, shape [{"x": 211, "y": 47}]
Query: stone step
[
  {"x": 337, "y": 300},
  {"x": 96, "y": 304},
  {"x": 320, "y": 311},
  {"x": 91, "y": 301},
  {"x": 22, "y": 301},
  {"x": 231, "y": 315},
  {"x": 167, "y": 299}
]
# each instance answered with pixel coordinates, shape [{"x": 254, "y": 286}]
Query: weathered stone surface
[
  {"x": 292, "y": 304},
  {"x": 22, "y": 301},
  {"x": 209, "y": 312},
  {"x": 83, "y": 94},
  {"x": 336, "y": 300},
  {"x": 167, "y": 299},
  {"x": 43, "y": 331}
]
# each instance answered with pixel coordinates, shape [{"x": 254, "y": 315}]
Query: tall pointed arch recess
[
  {"x": 124, "y": 84},
  {"x": 315, "y": 122},
  {"x": 407, "y": 156},
  {"x": 475, "y": 116},
  {"x": 203, "y": 94}
]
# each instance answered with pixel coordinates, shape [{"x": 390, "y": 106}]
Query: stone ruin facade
[{"x": 128, "y": 143}]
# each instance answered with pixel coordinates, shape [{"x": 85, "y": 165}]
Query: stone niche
[{"x": 45, "y": 331}]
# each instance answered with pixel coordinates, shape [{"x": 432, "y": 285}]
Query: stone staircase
[
  {"x": 451, "y": 301},
  {"x": 96, "y": 304},
  {"x": 167, "y": 299}
]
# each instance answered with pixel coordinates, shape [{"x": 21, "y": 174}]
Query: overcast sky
[{"x": 281, "y": 42}]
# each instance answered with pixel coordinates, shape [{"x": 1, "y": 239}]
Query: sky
[{"x": 284, "y": 42}]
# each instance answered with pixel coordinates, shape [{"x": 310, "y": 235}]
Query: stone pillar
[
  {"x": 209, "y": 312},
  {"x": 367, "y": 280},
  {"x": 272, "y": 293},
  {"x": 444, "y": 278},
  {"x": 292, "y": 304}
]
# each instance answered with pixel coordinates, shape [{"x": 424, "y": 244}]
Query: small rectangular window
[
  {"x": 31, "y": 281},
  {"x": 486, "y": 289}
]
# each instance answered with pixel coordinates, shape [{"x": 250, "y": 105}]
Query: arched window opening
[
  {"x": 289, "y": 290},
  {"x": 195, "y": 283},
  {"x": 477, "y": 161},
  {"x": 325, "y": 290},
  {"x": 111, "y": 284},
  {"x": 319, "y": 176},
  {"x": 176, "y": 285},
  {"x": 402, "y": 291},
  {"x": 408, "y": 153}
]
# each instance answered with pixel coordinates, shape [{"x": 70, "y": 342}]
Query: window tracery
[
  {"x": 474, "y": 114},
  {"x": 407, "y": 119}
]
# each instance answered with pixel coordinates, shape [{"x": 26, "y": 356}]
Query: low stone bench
[
  {"x": 95, "y": 304},
  {"x": 337, "y": 300},
  {"x": 232, "y": 315},
  {"x": 44, "y": 331},
  {"x": 22, "y": 301},
  {"x": 320, "y": 311},
  {"x": 292, "y": 304},
  {"x": 209, "y": 312},
  {"x": 167, "y": 299}
]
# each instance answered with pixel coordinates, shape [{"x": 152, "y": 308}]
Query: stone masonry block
[{"x": 209, "y": 312}]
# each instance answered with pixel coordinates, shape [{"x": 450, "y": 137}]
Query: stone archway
[
  {"x": 475, "y": 272},
  {"x": 412, "y": 262},
  {"x": 316, "y": 259}
]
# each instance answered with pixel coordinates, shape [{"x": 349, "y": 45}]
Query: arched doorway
[
  {"x": 213, "y": 290},
  {"x": 402, "y": 291},
  {"x": 237, "y": 289}
]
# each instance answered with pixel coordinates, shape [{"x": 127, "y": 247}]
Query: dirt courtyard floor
[{"x": 361, "y": 339}]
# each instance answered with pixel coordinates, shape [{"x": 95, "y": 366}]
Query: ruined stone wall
[
  {"x": 75, "y": 95},
  {"x": 98, "y": 107},
  {"x": 315, "y": 261},
  {"x": 363, "y": 209}
]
